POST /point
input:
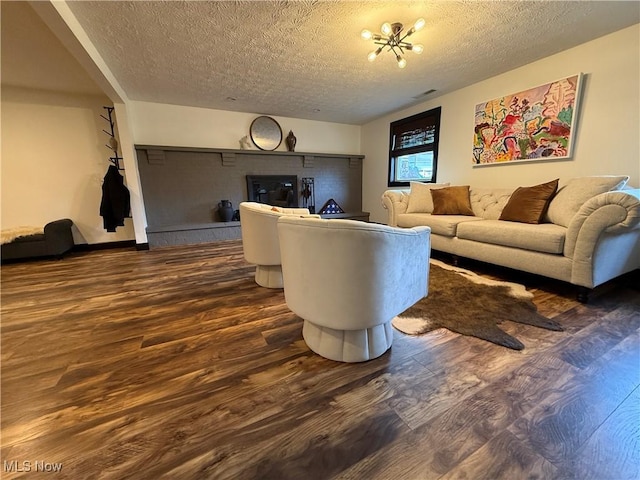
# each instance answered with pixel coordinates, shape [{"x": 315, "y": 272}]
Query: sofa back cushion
[
  {"x": 566, "y": 203},
  {"x": 420, "y": 200},
  {"x": 488, "y": 203}
]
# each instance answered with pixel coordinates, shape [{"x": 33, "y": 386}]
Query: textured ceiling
[
  {"x": 306, "y": 59},
  {"x": 33, "y": 57}
]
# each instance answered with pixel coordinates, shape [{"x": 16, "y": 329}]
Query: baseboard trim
[
  {"x": 88, "y": 247},
  {"x": 142, "y": 246}
]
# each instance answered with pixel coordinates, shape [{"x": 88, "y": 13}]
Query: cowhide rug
[{"x": 466, "y": 303}]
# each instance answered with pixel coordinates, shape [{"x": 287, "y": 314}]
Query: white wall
[
  {"x": 53, "y": 161},
  {"x": 608, "y": 128},
  {"x": 174, "y": 125},
  {"x": 54, "y": 156}
]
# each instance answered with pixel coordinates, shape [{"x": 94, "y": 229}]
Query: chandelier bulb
[
  {"x": 401, "y": 61},
  {"x": 419, "y": 25},
  {"x": 374, "y": 54},
  {"x": 366, "y": 34},
  {"x": 417, "y": 49},
  {"x": 386, "y": 28}
]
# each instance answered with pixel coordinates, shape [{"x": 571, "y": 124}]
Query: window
[{"x": 413, "y": 149}]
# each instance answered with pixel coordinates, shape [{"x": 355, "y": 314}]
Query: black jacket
[{"x": 116, "y": 204}]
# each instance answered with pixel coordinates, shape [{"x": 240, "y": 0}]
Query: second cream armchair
[{"x": 259, "y": 227}]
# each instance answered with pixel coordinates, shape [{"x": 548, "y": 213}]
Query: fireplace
[
  {"x": 182, "y": 208},
  {"x": 278, "y": 190}
]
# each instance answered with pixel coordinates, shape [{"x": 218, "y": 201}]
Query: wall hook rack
[{"x": 112, "y": 143}]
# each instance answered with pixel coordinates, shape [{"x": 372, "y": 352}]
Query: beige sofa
[{"x": 589, "y": 234}]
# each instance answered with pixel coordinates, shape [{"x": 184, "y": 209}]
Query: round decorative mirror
[{"x": 266, "y": 133}]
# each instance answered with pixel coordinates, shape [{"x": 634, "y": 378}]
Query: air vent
[{"x": 422, "y": 95}]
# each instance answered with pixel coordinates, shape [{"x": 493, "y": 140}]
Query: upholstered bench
[{"x": 54, "y": 240}]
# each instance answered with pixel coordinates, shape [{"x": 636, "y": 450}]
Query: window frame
[{"x": 431, "y": 117}]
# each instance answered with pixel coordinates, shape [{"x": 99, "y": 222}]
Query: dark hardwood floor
[{"x": 173, "y": 363}]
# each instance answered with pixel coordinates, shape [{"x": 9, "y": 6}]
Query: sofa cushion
[
  {"x": 529, "y": 204},
  {"x": 570, "y": 197},
  {"x": 545, "y": 237},
  {"x": 445, "y": 225},
  {"x": 489, "y": 202},
  {"x": 452, "y": 201},
  {"x": 420, "y": 197}
]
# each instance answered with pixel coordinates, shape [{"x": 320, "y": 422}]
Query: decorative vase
[
  {"x": 244, "y": 143},
  {"x": 291, "y": 141},
  {"x": 225, "y": 209}
]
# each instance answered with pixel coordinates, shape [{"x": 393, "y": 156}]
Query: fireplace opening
[{"x": 278, "y": 190}]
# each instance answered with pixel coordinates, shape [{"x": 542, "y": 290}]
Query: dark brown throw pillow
[
  {"x": 451, "y": 201},
  {"x": 529, "y": 204}
]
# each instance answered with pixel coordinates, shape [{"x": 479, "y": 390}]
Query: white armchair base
[
  {"x": 269, "y": 276},
  {"x": 348, "y": 345}
]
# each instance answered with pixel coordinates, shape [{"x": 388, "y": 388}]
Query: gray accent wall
[{"x": 182, "y": 186}]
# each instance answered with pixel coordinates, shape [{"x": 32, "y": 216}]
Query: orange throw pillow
[
  {"x": 451, "y": 201},
  {"x": 529, "y": 204}
]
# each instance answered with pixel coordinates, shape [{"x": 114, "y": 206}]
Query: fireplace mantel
[
  {"x": 247, "y": 152},
  {"x": 182, "y": 186}
]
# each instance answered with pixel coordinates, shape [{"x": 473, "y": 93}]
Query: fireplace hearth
[{"x": 278, "y": 190}]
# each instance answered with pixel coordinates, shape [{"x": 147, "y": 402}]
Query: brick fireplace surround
[{"x": 182, "y": 187}]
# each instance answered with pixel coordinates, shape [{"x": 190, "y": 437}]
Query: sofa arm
[
  {"x": 395, "y": 202},
  {"x": 58, "y": 236},
  {"x": 610, "y": 212}
]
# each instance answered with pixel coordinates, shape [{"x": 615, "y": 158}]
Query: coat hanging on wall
[{"x": 116, "y": 203}]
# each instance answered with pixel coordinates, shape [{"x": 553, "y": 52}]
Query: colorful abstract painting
[{"x": 536, "y": 124}]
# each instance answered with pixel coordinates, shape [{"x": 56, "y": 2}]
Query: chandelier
[{"x": 393, "y": 38}]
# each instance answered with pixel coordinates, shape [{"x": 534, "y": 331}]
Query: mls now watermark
[{"x": 14, "y": 466}]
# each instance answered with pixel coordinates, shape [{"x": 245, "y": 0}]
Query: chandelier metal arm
[
  {"x": 399, "y": 48},
  {"x": 411, "y": 31},
  {"x": 394, "y": 43}
]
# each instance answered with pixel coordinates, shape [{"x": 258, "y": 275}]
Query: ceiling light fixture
[{"x": 392, "y": 38}]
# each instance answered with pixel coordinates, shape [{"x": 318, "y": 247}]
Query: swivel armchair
[
  {"x": 258, "y": 224},
  {"x": 348, "y": 279}
]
